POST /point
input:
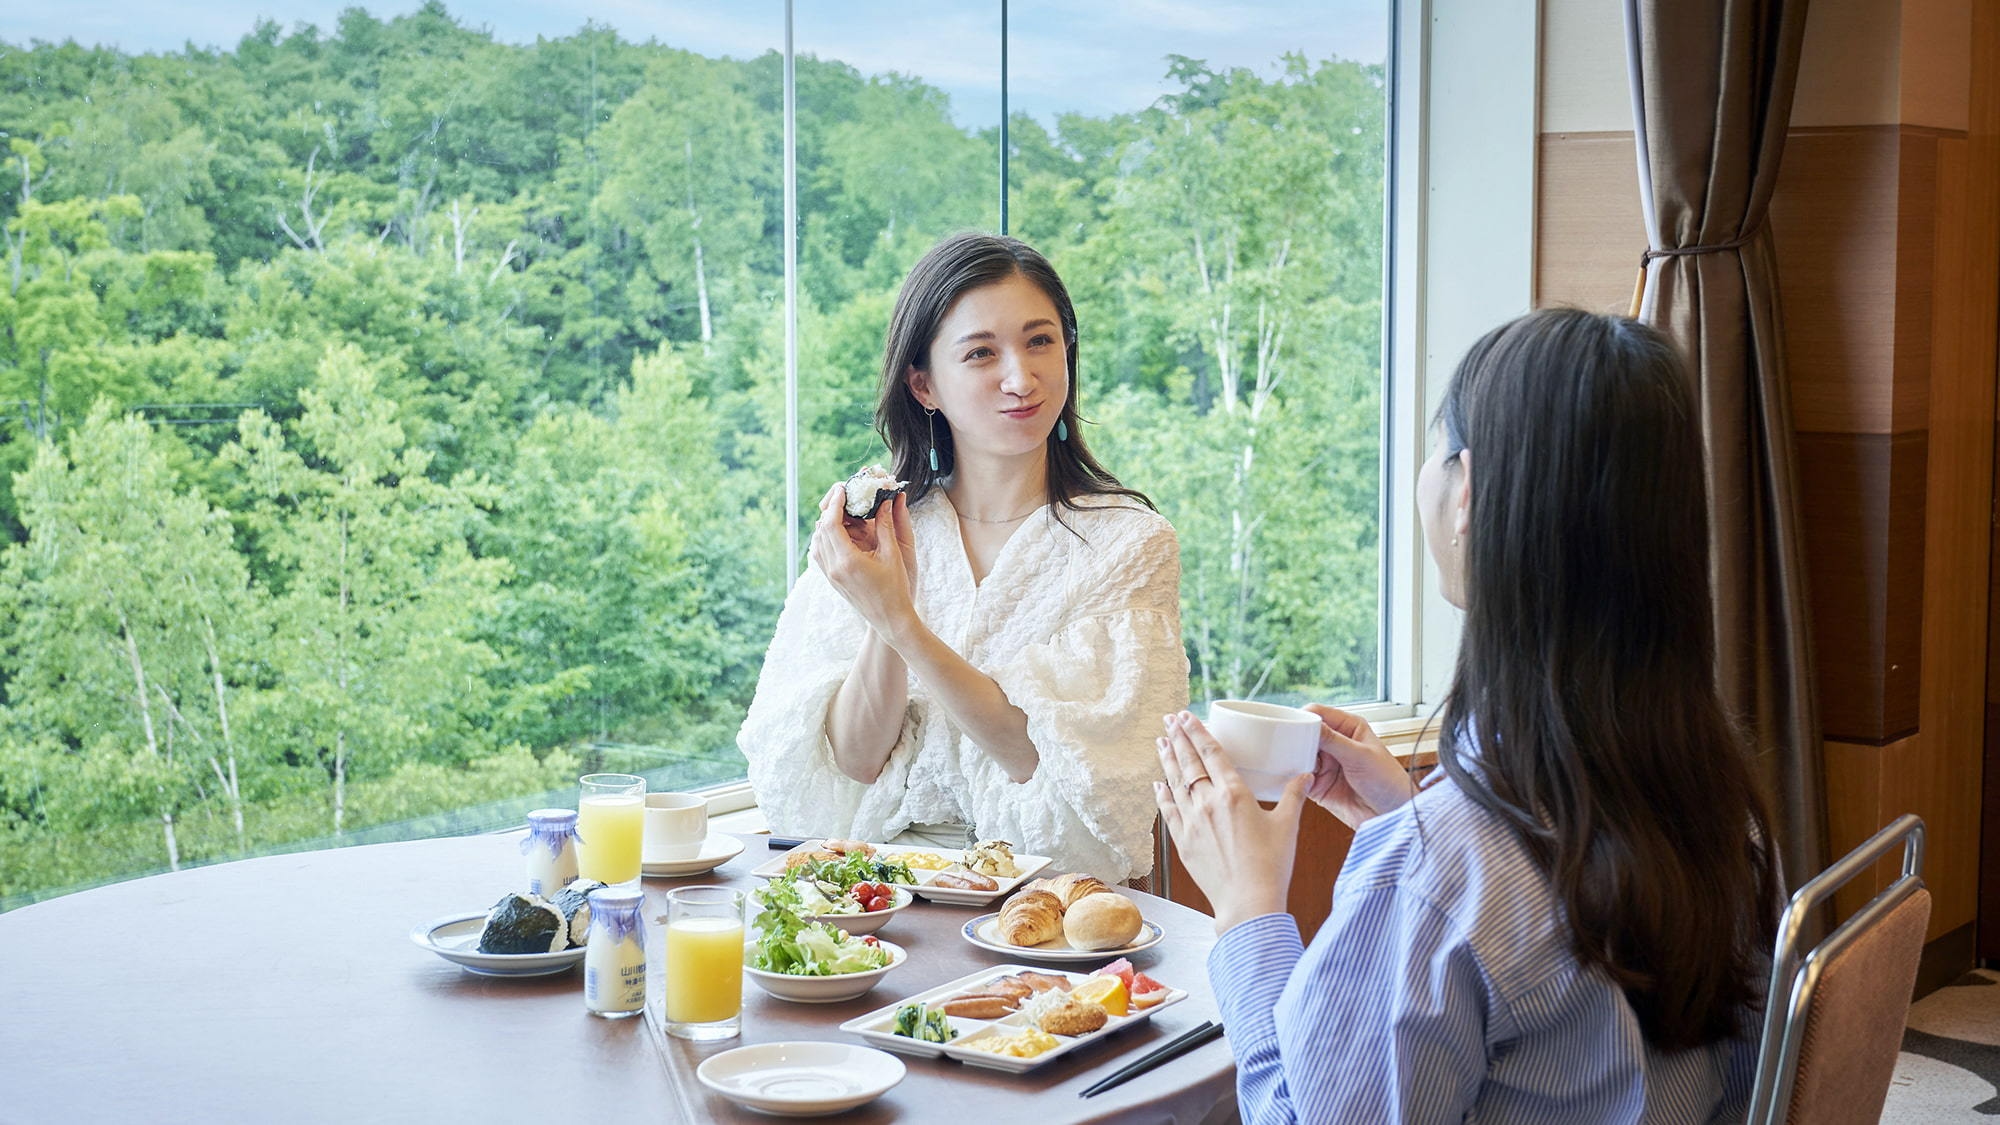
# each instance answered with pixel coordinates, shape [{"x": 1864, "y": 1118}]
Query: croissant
[
  {"x": 1074, "y": 886},
  {"x": 1031, "y": 918}
]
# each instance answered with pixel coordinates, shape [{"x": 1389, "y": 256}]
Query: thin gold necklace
[{"x": 1009, "y": 519}]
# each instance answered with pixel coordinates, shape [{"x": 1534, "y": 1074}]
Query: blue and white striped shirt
[{"x": 1443, "y": 987}]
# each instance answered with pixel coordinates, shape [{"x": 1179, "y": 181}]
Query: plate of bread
[
  {"x": 972, "y": 876},
  {"x": 1073, "y": 917}
]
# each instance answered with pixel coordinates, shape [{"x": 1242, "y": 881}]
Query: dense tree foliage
[{"x": 389, "y": 415}]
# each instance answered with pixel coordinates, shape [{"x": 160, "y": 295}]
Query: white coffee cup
[
  {"x": 676, "y": 825},
  {"x": 1268, "y": 743}
]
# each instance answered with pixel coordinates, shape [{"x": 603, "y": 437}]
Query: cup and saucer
[{"x": 677, "y": 841}]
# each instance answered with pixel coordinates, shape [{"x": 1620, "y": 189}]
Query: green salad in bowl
[{"x": 794, "y": 958}]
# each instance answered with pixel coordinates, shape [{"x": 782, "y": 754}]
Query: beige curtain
[{"x": 1711, "y": 98}]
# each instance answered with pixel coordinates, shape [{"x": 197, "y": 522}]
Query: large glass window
[{"x": 393, "y": 400}]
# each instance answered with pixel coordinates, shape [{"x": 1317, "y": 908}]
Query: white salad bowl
[
  {"x": 865, "y": 923},
  {"x": 825, "y": 990}
]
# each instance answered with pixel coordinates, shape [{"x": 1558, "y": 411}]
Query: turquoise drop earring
[
  {"x": 931, "y": 411},
  {"x": 1062, "y": 430}
]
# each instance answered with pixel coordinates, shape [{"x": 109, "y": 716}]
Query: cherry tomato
[{"x": 870, "y": 940}]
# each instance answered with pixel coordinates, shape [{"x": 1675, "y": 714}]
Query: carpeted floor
[{"x": 1949, "y": 1070}]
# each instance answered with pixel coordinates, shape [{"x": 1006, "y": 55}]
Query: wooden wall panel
[
  {"x": 1589, "y": 234},
  {"x": 1861, "y": 501},
  {"x": 1323, "y": 843},
  {"x": 1945, "y": 788},
  {"x": 1834, "y": 224},
  {"x": 1855, "y": 811}
]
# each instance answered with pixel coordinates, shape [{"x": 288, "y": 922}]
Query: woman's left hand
[{"x": 1238, "y": 853}]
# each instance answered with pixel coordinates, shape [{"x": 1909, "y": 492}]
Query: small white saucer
[
  {"x": 801, "y": 1079},
  {"x": 715, "y": 851}
]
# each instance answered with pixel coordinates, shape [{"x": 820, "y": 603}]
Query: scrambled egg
[
  {"x": 924, "y": 861},
  {"x": 1024, "y": 1044}
]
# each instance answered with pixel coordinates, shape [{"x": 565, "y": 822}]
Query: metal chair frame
[{"x": 1785, "y": 1007}]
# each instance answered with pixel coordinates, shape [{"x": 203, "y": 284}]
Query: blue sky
[{"x": 1097, "y": 57}]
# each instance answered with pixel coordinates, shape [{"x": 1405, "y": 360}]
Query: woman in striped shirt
[{"x": 1567, "y": 921}]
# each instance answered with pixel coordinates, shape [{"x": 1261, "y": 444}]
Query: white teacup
[
  {"x": 676, "y": 825},
  {"x": 1268, "y": 743}
]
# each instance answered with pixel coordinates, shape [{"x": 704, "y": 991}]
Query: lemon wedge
[{"x": 1105, "y": 992}]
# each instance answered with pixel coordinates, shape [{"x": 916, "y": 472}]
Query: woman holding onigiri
[{"x": 984, "y": 655}]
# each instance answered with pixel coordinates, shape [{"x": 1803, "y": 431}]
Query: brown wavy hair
[
  {"x": 952, "y": 268},
  {"x": 1586, "y": 670}
]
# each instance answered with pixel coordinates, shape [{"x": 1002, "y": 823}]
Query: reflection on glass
[
  {"x": 396, "y": 399},
  {"x": 1216, "y": 202}
]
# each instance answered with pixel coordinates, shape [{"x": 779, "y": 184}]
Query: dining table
[{"x": 288, "y": 988}]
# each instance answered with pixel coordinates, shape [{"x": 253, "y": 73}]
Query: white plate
[
  {"x": 715, "y": 851},
  {"x": 1028, "y": 866},
  {"x": 801, "y": 1079},
  {"x": 984, "y": 932},
  {"x": 825, "y": 990},
  {"x": 878, "y": 1026},
  {"x": 456, "y": 939}
]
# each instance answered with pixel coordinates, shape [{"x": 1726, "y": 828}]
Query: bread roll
[
  {"x": 1031, "y": 918},
  {"x": 1069, "y": 888},
  {"x": 1102, "y": 921}
]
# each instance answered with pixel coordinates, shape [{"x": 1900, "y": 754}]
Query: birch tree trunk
[
  {"x": 340, "y": 654},
  {"x": 700, "y": 273},
  {"x": 701, "y": 294},
  {"x": 152, "y": 738},
  {"x": 230, "y": 785}
]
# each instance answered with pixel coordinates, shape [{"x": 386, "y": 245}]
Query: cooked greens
[{"x": 914, "y": 1021}]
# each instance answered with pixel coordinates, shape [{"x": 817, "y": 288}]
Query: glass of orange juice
[
  {"x": 704, "y": 963},
  {"x": 610, "y": 825}
]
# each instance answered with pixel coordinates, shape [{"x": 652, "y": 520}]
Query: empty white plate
[{"x": 801, "y": 1079}]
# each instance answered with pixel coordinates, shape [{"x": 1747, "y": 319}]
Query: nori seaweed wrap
[
  {"x": 868, "y": 490},
  {"x": 524, "y": 924},
  {"x": 574, "y": 902}
]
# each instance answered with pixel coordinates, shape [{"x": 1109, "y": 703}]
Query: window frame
[{"x": 1459, "y": 217}]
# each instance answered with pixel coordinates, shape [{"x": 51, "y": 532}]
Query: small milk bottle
[
  {"x": 614, "y": 961},
  {"x": 551, "y": 850}
]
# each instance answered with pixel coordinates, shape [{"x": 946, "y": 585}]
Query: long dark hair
[
  {"x": 1585, "y": 673},
  {"x": 952, "y": 268}
]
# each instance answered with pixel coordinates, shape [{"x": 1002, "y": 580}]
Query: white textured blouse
[{"x": 1081, "y": 630}]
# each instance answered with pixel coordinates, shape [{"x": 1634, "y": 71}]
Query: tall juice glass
[
  {"x": 704, "y": 963},
  {"x": 610, "y": 825}
]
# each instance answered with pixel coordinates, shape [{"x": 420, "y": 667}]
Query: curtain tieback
[{"x": 1737, "y": 243}]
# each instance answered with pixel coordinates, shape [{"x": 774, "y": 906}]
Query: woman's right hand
[
  {"x": 871, "y": 563},
  {"x": 1355, "y": 777}
]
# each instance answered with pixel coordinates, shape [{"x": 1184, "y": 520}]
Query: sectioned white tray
[
  {"x": 1029, "y": 865},
  {"x": 456, "y": 939},
  {"x": 878, "y": 1026},
  {"x": 984, "y": 932}
]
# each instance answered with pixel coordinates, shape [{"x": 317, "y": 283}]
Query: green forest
[{"x": 392, "y": 419}]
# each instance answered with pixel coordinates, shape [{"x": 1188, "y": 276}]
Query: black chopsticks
[
  {"x": 785, "y": 843},
  {"x": 1203, "y": 1032}
]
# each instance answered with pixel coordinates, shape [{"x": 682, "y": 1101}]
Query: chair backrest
[{"x": 1834, "y": 1015}]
